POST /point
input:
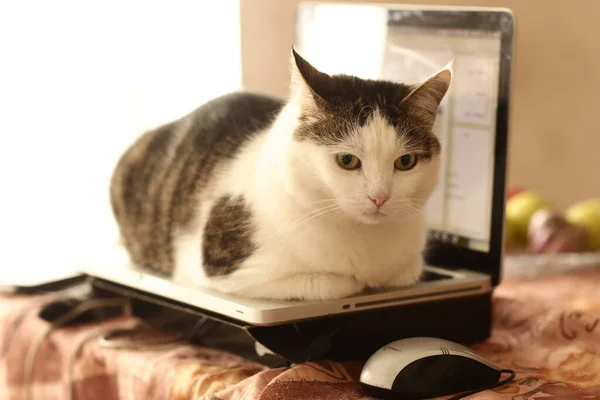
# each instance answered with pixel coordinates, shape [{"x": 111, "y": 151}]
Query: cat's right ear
[
  {"x": 308, "y": 83},
  {"x": 426, "y": 97}
]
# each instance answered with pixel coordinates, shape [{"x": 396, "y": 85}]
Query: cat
[{"x": 316, "y": 197}]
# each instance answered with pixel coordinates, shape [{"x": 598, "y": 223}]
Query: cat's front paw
[
  {"x": 408, "y": 275},
  {"x": 330, "y": 286},
  {"x": 309, "y": 287}
]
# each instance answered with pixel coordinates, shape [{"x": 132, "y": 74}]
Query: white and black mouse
[{"x": 422, "y": 368}]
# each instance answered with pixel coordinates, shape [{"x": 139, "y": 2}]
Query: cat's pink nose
[{"x": 380, "y": 199}]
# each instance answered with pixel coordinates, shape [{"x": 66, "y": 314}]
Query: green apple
[
  {"x": 587, "y": 215},
  {"x": 520, "y": 208},
  {"x": 513, "y": 241}
]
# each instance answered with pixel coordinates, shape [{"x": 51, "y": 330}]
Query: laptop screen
[{"x": 377, "y": 43}]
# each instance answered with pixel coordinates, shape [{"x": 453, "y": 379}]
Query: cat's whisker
[
  {"x": 415, "y": 211},
  {"x": 414, "y": 205},
  {"x": 415, "y": 128},
  {"x": 360, "y": 112},
  {"x": 314, "y": 211},
  {"x": 412, "y": 211},
  {"x": 343, "y": 119},
  {"x": 410, "y": 204},
  {"x": 415, "y": 200},
  {"x": 297, "y": 206},
  {"x": 303, "y": 219},
  {"x": 319, "y": 215},
  {"x": 323, "y": 201},
  {"x": 411, "y": 207},
  {"x": 411, "y": 214},
  {"x": 315, "y": 203}
]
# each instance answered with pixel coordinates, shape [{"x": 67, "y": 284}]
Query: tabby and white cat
[{"x": 316, "y": 197}]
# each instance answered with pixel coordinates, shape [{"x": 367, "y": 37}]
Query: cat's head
[{"x": 367, "y": 146}]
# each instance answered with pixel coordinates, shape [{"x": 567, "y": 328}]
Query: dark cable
[{"x": 492, "y": 386}]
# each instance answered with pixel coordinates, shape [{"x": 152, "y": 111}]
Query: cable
[
  {"x": 87, "y": 338},
  {"x": 196, "y": 328},
  {"x": 107, "y": 341},
  {"x": 66, "y": 294},
  {"x": 492, "y": 386},
  {"x": 16, "y": 323},
  {"x": 60, "y": 321}
]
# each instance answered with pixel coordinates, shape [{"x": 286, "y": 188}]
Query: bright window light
[
  {"x": 346, "y": 40},
  {"x": 79, "y": 81}
]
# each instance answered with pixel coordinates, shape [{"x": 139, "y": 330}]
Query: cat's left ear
[
  {"x": 307, "y": 81},
  {"x": 426, "y": 97}
]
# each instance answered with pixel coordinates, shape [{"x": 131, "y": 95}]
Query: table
[{"x": 546, "y": 328}]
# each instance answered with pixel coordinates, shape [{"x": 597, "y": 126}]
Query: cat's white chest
[{"x": 373, "y": 256}]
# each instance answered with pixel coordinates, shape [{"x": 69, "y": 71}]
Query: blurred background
[
  {"x": 555, "y": 135},
  {"x": 80, "y": 80}
]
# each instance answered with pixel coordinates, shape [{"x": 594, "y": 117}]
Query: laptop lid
[{"x": 408, "y": 44}]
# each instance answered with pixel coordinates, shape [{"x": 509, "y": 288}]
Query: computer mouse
[{"x": 422, "y": 368}]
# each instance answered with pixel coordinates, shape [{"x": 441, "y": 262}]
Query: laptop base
[{"x": 343, "y": 337}]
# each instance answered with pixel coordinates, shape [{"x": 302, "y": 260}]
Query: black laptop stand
[{"x": 350, "y": 336}]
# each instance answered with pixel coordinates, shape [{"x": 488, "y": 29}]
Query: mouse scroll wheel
[{"x": 445, "y": 351}]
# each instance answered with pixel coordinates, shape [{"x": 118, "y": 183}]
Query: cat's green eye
[
  {"x": 406, "y": 162},
  {"x": 347, "y": 161}
]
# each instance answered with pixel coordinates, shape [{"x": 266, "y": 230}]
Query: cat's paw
[
  {"x": 309, "y": 287},
  {"x": 408, "y": 275},
  {"x": 328, "y": 286}
]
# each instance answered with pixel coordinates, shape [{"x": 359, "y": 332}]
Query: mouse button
[
  {"x": 383, "y": 366},
  {"x": 440, "y": 375},
  {"x": 462, "y": 350},
  {"x": 459, "y": 348},
  {"x": 471, "y": 354},
  {"x": 422, "y": 376},
  {"x": 466, "y": 371},
  {"x": 469, "y": 369}
]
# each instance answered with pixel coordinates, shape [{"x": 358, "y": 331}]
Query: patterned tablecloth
[{"x": 547, "y": 329}]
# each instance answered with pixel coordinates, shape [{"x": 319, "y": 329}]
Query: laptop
[{"x": 466, "y": 212}]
